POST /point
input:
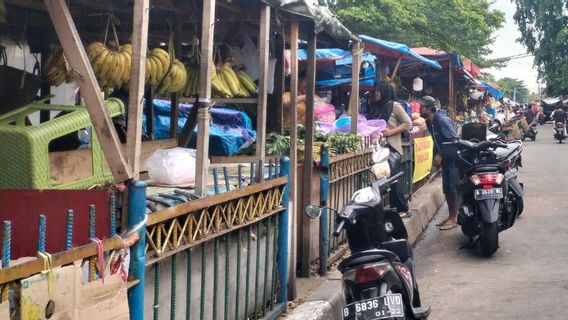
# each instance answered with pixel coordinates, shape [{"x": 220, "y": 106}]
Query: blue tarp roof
[
  {"x": 498, "y": 94},
  {"x": 324, "y": 54},
  {"x": 395, "y": 50}
]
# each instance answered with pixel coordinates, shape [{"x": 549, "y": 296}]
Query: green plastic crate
[{"x": 24, "y": 151}]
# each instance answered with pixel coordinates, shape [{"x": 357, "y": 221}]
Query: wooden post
[
  {"x": 207, "y": 33},
  {"x": 175, "y": 96},
  {"x": 294, "y": 36},
  {"x": 309, "y": 148},
  {"x": 451, "y": 93},
  {"x": 280, "y": 76},
  {"x": 137, "y": 78},
  {"x": 263, "y": 46},
  {"x": 354, "y": 98},
  {"x": 90, "y": 90}
]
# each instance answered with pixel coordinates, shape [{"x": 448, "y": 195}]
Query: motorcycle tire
[
  {"x": 533, "y": 138},
  {"x": 489, "y": 239}
]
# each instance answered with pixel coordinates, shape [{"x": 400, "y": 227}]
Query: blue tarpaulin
[
  {"x": 495, "y": 92},
  {"x": 324, "y": 54},
  {"x": 395, "y": 50},
  {"x": 229, "y": 131}
]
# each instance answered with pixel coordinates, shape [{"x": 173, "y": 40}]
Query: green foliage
[
  {"x": 462, "y": 26},
  {"x": 544, "y": 31},
  {"x": 509, "y": 85}
]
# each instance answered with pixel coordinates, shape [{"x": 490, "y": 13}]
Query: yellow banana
[
  {"x": 163, "y": 57},
  {"x": 94, "y": 49},
  {"x": 247, "y": 82},
  {"x": 127, "y": 47},
  {"x": 99, "y": 61},
  {"x": 118, "y": 73},
  {"x": 127, "y": 66},
  {"x": 58, "y": 77},
  {"x": 153, "y": 72},
  {"x": 107, "y": 67},
  {"x": 182, "y": 74}
]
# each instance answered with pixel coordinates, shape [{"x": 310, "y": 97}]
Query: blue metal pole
[
  {"x": 69, "y": 234},
  {"x": 92, "y": 232},
  {"x": 136, "y": 214},
  {"x": 42, "y": 229},
  {"x": 113, "y": 215},
  {"x": 6, "y": 244},
  {"x": 324, "y": 219},
  {"x": 283, "y": 235}
]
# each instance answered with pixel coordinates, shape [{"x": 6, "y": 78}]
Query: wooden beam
[
  {"x": 294, "y": 36},
  {"x": 309, "y": 148},
  {"x": 280, "y": 76},
  {"x": 354, "y": 98},
  {"x": 90, "y": 90},
  {"x": 207, "y": 33},
  {"x": 396, "y": 67},
  {"x": 137, "y": 78},
  {"x": 174, "y": 114},
  {"x": 263, "y": 48}
]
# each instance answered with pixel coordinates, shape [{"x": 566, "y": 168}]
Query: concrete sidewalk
[{"x": 326, "y": 302}]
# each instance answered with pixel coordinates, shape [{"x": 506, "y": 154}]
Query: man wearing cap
[{"x": 442, "y": 130}]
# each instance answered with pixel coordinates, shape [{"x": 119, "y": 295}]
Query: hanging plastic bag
[
  {"x": 380, "y": 153},
  {"x": 270, "y": 75},
  {"x": 381, "y": 170},
  {"x": 174, "y": 166}
]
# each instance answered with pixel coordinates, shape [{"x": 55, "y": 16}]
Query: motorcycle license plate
[
  {"x": 385, "y": 307},
  {"x": 488, "y": 194}
]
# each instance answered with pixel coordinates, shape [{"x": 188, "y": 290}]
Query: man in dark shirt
[
  {"x": 559, "y": 115},
  {"x": 442, "y": 130}
]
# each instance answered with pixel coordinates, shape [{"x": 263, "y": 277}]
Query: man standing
[{"x": 442, "y": 130}]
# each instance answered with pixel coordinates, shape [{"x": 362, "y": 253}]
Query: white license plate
[
  {"x": 385, "y": 307},
  {"x": 488, "y": 194}
]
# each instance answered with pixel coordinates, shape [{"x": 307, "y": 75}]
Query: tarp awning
[
  {"x": 324, "y": 19},
  {"x": 381, "y": 47},
  {"x": 324, "y": 54},
  {"x": 493, "y": 89}
]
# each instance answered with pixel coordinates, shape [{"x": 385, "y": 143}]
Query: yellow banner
[{"x": 423, "y": 156}]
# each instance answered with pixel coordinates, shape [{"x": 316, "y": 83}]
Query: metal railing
[{"x": 222, "y": 255}]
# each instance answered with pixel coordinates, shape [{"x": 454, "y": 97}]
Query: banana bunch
[
  {"x": 191, "y": 88},
  {"x": 157, "y": 66},
  {"x": 174, "y": 80},
  {"x": 112, "y": 67},
  {"x": 219, "y": 85},
  {"x": 55, "y": 69},
  {"x": 247, "y": 82}
]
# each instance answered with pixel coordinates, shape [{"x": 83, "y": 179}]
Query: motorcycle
[
  {"x": 379, "y": 277},
  {"x": 531, "y": 133},
  {"x": 559, "y": 132},
  {"x": 490, "y": 195}
]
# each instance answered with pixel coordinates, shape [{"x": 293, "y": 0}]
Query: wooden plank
[
  {"x": 238, "y": 159},
  {"x": 293, "y": 213},
  {"x": 354, "y": 98},
  {"x": 90, "y": 91},
  {"x": 207, "y": 33},
  {"x": 264, "y": 55},
  {"x": 222, "y": 101},
  {"x": 200, "y": 204},
  {"x": 137, "y": 78},
  {"x": 29, "y": 268},
  {"x": 280, "y": 77},
  {"x": 74, "y": 165},
  {"x": 309, "y": 149},
  {"x": 346, "y": 156}
]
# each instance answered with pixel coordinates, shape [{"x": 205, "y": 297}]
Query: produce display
[
  {"x": 112, "y": 66},
  {"x": 157, "y": 65}
]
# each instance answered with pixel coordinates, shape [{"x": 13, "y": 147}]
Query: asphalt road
[{"x": 528, "y": 276}]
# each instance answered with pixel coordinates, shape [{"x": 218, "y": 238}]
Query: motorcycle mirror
[{"x": 314, "y": 211}]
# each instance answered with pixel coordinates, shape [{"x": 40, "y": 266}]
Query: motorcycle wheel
[
  {"x": 533, "y": 137},
  {"x": 489, "y": 239}
]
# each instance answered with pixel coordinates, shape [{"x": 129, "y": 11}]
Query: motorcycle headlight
[{"x": 364, "y": 195}]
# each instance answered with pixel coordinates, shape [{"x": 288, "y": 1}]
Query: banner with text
[{"x": 423, "y": 156}]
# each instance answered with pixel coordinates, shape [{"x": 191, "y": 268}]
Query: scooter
[
  {"x": 379, "y": 277},
  {"x": 559, "y": 132},
  {"x": 531, "y": 133},
  {"x": 490, "y": 195}
]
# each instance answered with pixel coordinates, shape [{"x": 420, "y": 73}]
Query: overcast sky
[{"x": 506, "y": 45}]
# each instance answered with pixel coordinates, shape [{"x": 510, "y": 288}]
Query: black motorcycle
[
  {"x": 379, "y": 277},
  {"x": 490, "y": 195},
  {"x": 531, "y": 133},
  {"x": 559, "y": 132}
]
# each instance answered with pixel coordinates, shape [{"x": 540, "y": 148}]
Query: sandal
[
  {"x": 449, "y": 226},
  {"x": 443, "y": 222}
]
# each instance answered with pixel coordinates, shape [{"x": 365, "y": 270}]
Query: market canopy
[
  {"x": 381, "y": 47},
  {"x": 466, "y": 66},
  {"x": 493, "y": 89},
  {"x": 324, "y": 19}
]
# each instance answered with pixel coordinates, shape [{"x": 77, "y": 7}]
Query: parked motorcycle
[
  {"x": 491, "y": 197},
  {"x": 543, "y": 118},
  {"x": 379, "y": 278},
  {"x": 559, "y": 132}
]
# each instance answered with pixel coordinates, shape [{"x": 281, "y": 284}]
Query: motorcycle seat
[
  {"x": 504, "y": 153},
  {"x": 365, "y": 257}
]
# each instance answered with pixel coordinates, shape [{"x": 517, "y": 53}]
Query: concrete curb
[{"x": 326, "y": 302}]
